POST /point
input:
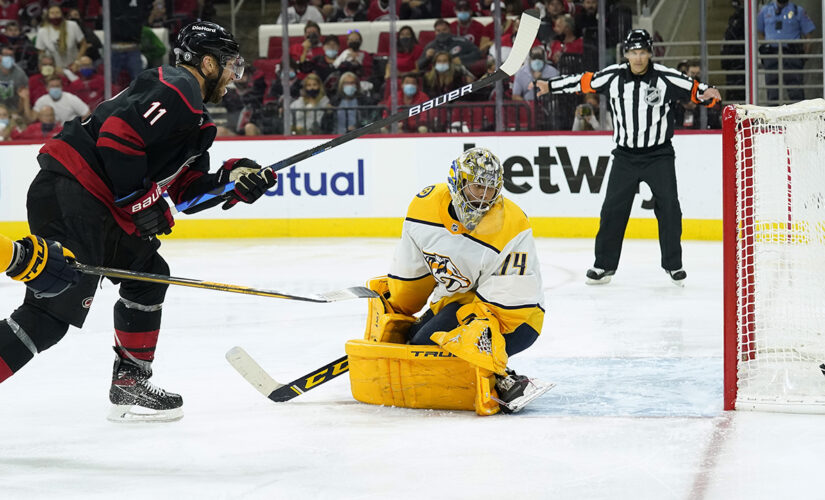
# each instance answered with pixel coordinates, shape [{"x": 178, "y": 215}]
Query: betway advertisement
[{"x": 549, "y": 176}]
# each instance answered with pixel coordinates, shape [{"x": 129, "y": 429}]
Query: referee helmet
[{"x": 638, "y": 39}]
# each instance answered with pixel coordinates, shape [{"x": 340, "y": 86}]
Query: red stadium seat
[
  {"x": 425, "y": 37},
  {"x": 383, "y": 44},
  {"x": 275, "y": 46},
  {"x": 267, "y": 67}
]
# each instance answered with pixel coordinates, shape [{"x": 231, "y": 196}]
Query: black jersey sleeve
[{"x": 146, "y": 116}]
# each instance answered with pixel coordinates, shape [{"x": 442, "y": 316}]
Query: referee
[{"x": 642, "y": 96}]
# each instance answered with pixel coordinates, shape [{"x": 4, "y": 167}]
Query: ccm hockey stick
[
  {"x": 274, "y": 390},
  {"x": 528, "y": 29},
  {"x": 356, "y": 292}
]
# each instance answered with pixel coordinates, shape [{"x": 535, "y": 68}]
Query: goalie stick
[
  {"x": 528, "y": 28},
  {"x": 356, "y": 292},
  {"x": 274, "y": 390}
]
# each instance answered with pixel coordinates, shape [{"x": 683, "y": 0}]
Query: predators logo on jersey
[{"x": 445, "y": 272}]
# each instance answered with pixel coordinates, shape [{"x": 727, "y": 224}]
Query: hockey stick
[
  {"x": 274, "y": 390},
  {"x": 528, "y": 28},
  {"x": 356, "y": 292}
]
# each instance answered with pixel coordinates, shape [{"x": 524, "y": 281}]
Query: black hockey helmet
[
  {"x": 638, "y": 39},
  {"x": 203, "y": 38}
]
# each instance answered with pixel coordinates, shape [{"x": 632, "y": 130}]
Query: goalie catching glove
[
  {"x": 43, "y": 265},
  {"x": 251, "y": 180},
  {"x": 477, "y": 339}
]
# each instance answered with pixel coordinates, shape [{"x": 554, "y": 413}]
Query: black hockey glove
[
  {"x": 43, "y": 265},
  {"x": 251, "y": 181},
  {"x": 148, "y": 211}
]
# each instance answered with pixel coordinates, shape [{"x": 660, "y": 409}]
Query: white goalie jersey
[{"x": 496, "y": 263}]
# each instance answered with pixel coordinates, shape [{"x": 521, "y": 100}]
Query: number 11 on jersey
[{"x": 155, "y": 105}]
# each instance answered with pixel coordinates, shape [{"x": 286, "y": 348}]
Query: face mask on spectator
[
  {"x": 443, "y": 37},
  {"x": 4, "y": 122},
  {"x": 354, "y": 45},
  {"x": 313, "y": 37},
  {"x": 7, "y": 62},
  {"x": 410, "y": 89},
  {"x": 312, "y": 92},
  {"x": 55, "y": 93},
  {"x": 536, "y": 64},
  {"x": 442, "y": 67},
  {"x": 87, "y": 72},
  {"x": 47, "y": 127},
  {"x": 405, "y": 42},
  {"x": 463, "y": 16},
  {"x": 291, "y": 74},
  {"x": 349, "y": 89},
  {"x": 331, "y": 53},
  {"x": 47, "y": 70}
]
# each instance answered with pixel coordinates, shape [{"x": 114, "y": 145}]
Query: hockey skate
[
  {"x": 516, "y": 391},
  {"x": 596, "y": 276},
  {"x": 677, "y": 277},
  {"x": 135, "y": 399}
]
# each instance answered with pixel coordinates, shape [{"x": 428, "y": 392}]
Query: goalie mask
[{"x": 475, "y": 183}]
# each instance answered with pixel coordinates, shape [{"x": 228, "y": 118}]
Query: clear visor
[{"x": 235, "y": 65}]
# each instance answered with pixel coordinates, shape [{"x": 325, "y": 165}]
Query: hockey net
[{"x": 774, "y": 225}]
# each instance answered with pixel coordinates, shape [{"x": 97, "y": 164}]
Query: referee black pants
[{"x": 658, "y": 170}]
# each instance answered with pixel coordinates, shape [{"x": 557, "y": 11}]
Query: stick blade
[
  {"x": 252, "y": 371},
  {"x": 527, "y": 30},
  {"x": 355, "y": 292}
]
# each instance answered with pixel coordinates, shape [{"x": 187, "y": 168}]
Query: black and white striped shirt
[{"x": 641, "y": 105}]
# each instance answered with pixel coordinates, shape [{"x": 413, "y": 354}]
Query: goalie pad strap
[{"x": 477, "y": 340}]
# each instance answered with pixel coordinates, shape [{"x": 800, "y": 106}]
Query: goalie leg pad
[
  {"x": 477, "y": 340},
  {"x": 413, "y": 376},
  {"x": 384, "y": 324}
]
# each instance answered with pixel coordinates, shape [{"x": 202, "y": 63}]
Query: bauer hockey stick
[
  {"x": 528, "y": 28},
  {"x": 356, "y": 292},
  {"x": 274, "y": 390}
]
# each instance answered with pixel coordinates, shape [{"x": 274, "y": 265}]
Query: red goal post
[{"x": 774, "y": 257}]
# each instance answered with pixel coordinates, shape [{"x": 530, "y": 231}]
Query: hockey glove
[
  {"x": 251, "y": 181},
  {"x": 43, "y": 265},
  {"x": 148, "y": 211}
]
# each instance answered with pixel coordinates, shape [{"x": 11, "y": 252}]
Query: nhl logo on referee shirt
[{"x": 653, "y": 96}]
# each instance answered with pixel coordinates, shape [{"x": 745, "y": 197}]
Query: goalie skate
[
  {"x": 517, "y": 391},
  {"x": 135, "y": 399}
]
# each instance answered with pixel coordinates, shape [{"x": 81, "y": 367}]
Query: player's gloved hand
[
  {"x": 43, "y": 265},
  {"x": 148, "y": 211},
  {"x": 251, "y": 181}
]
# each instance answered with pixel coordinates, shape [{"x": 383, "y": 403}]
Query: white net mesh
[{"x": 780, "y": 205}]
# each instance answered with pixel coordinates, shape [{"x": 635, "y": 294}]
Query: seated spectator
[
  {"x": 12, "y": 79},
  {"x": 468, "y": 27},
  {"x": 586, "y": 20},
  {"x": 46, "y": 68},
  {"x": 66, "y": 106},
  {"x": 534, "y": 69},
  {"x": 379, "y": 10},
  {"x": 323, "y": 65},
  {"x": 353, "y": 58},
  {"x": 94, "y": 47},
  {"x": 349, "y": 97},
  {"x": 587, "y": 114},
  {"x": 5, "y": 123},
  {"x": 61, "y": 39},
  {"x": 352, "y": 10},
  {"x": 276, "y": 88},
  {"x": 300, "y": 13},
  {"x": 308, "y": 110},
  {"x": 445, "y": 76},
  {"x": 89, "y": 84},
  {"x": 456, "y": 46},
  {"x": 45, "y": 127},
  {"x": 9, "y": 11},
  {"x": 24, "y": 52},
  {"x": 508, "y": 34},
  {"x": 244, "y": 102},
  {"x": 311, "y": 45},
  {"x": 409, "y": 95},
  {"x": 567, "y": 41},
  {"x": 408, "y": 52}
]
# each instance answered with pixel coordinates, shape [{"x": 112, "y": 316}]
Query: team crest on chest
[
  {"x": 653, "y": 95},
  {"x": 445, "y": 272}
]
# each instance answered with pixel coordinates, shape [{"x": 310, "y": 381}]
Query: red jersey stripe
[
  {"x": 106, "y": 142},
  {"x": 117, "y": 126},
  {"x": 5, "y": 371}
]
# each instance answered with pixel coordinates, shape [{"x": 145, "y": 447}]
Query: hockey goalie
[{"x": 470, "y": 251}]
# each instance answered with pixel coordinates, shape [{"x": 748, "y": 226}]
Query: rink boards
[{"x": 362, "y": 188}]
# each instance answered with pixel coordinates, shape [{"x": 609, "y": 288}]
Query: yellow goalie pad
[
  {"x": 384, "y": 324},
  {"x": 414, "y": 376},
  {"x": 477, "y": 340}
]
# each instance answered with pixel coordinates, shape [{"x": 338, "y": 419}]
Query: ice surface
[{"x": 636, "y": 412}]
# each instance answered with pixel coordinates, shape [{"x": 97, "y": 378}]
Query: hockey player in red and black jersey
[{"x": 99, "y": 192}]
